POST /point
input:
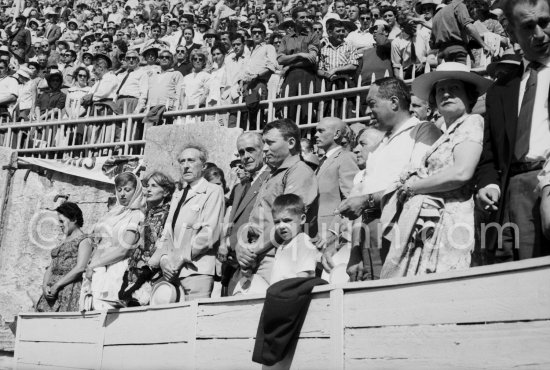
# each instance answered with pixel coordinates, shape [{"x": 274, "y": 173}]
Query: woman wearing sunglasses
[
  {"x": 73, "y": 108},
  {"x": 196, "y": 84}
]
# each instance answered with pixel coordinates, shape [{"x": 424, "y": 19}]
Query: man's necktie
[
  {"x": 320, "y": 164},
  {"x": 182, "y": 200},
  {"x": 123, "y": 82},
  {"x": 244, "y": 192},
  {"x": 523, "y": 130}
]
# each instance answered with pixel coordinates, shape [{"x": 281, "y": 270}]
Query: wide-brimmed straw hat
[
  {"x": 164, "y": 293},
  {"x": 435, "y": 3},
  {"x": 422, "y": 85}
]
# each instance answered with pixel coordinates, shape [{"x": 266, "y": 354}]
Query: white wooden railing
[{"x": 97, "y": 134}]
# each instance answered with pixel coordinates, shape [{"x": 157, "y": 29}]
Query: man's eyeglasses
[
  {"x": 180, "y": 51},
  {"x": 317, "y": 29},
  {"x": 257, "y": 32},
  {"x": 365, "y": 18}
]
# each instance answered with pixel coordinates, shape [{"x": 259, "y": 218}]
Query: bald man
[
  {"x": 243, "y": 197},
  {"x": 335, "y": 173}
]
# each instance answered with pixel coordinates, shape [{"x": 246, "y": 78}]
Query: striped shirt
[{"x": 337, "y": 56}]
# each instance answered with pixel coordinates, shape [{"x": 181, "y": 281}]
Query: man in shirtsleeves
[{"x": 298, "y": 54}]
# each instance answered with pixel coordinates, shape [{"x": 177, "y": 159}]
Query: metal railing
[{"x": 102, "y": 134}]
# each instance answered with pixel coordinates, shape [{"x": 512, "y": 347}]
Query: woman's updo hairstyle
[{"x": 72, "y": 212}]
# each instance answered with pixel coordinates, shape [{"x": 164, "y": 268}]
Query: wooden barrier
[{"x": 491, "y": 317}]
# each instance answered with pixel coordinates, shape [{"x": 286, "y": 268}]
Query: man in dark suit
[
  {"x": 517, "y": 136},
  {"x": 249, "y": 147}
]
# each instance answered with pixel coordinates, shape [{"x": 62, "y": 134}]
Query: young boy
[{"x": 296, "y": 255}]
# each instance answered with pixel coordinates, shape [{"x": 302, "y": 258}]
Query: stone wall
[
  {"x": 31, "y": 230},
  {"x": 164, "y": 143}
]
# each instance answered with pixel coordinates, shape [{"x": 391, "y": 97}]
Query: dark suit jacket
[
  {"x": 499, "y": 138},
  {"x": 53, "y": 34},
  {"x": 243, "y": 202}
]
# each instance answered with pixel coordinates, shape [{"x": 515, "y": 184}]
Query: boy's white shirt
[{"x": 299, "y": 255}]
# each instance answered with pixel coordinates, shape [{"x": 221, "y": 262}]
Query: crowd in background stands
[{"x": 142, "y": 55}]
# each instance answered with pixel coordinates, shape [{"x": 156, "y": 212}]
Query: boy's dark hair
[{"x": 289, "y": 202}]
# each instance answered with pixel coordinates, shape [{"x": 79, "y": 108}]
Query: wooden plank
[
  {"x": 518, "y": 345},
  {"x": 152, "y": 356},
  {"x": 192, "y": 344},
  {"x": 72, "y": 355},
  {"x": 311, "y": 353},
  {"x": 337, "y": 329},
  {"x": 148, "y": 326},
  {"x": 225, "y": 354},
  {"x": 25, "y": 366},
  {"x": 75, "y": 329},
  {"x": 533, "y": 264},
  {"x": 240, "y": 319},
  {"x": 518, "y": 295}
]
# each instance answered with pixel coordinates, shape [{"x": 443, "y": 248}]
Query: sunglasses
[
  {"x": 365, "y": 18},
  {"x": 131, "y": 58},
  {"x": 197, "y": 59},
  {"x": 167, "y": 57},
  {"x": 82, "y": 75},
  {"x": 317, "y": 29},
  {"x": 14, "y": 45},
  {"x": 257, "y": 32},
  {"x": 180, "y": 51}
]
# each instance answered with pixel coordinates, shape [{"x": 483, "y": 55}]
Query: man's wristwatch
[{"x": 370, "y": 201}]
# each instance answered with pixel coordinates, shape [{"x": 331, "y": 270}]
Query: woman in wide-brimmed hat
[{"x": 433, "y": 206}]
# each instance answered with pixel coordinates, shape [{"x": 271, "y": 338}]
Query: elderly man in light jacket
[{"x": 186, "y": 251}]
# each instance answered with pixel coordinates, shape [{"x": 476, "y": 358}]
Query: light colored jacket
[{"x": 197, "y": 229}]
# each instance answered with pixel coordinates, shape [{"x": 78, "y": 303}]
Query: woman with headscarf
[
  {"x": 431, "y": 215},
  {"x": 117, "y": 234},
  {"x": 136, "y": 287}
]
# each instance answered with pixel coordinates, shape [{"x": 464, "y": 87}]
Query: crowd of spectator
[{"x": 141, "y": 55}]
